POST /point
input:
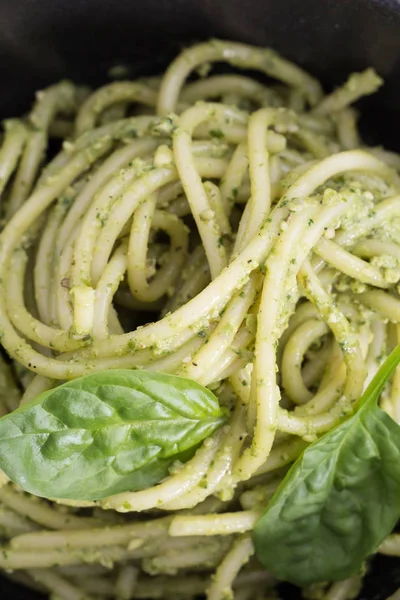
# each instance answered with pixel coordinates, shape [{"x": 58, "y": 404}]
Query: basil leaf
[
  {"x": 340, "y": 499},
  {"x": 106, "y": 433}
]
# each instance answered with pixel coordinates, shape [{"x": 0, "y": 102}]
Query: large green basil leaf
[
  {"x": 106, "y": 433},
  {"x": 339, "y": 500}
]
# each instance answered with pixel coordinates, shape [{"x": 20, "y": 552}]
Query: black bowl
[{"x": 44, "y": 40}]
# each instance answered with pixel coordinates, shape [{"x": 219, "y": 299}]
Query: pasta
[{"x": 232, "y": 230}]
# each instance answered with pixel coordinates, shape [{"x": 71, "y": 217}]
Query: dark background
[{"x": 44, "y": 40}]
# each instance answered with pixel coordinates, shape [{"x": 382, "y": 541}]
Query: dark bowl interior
[{"x": 44, "y": 40}]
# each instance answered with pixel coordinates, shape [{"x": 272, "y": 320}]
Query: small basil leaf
[
  {"x": 340, "y": 499},
  {"x": 106, "y": 433}
]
